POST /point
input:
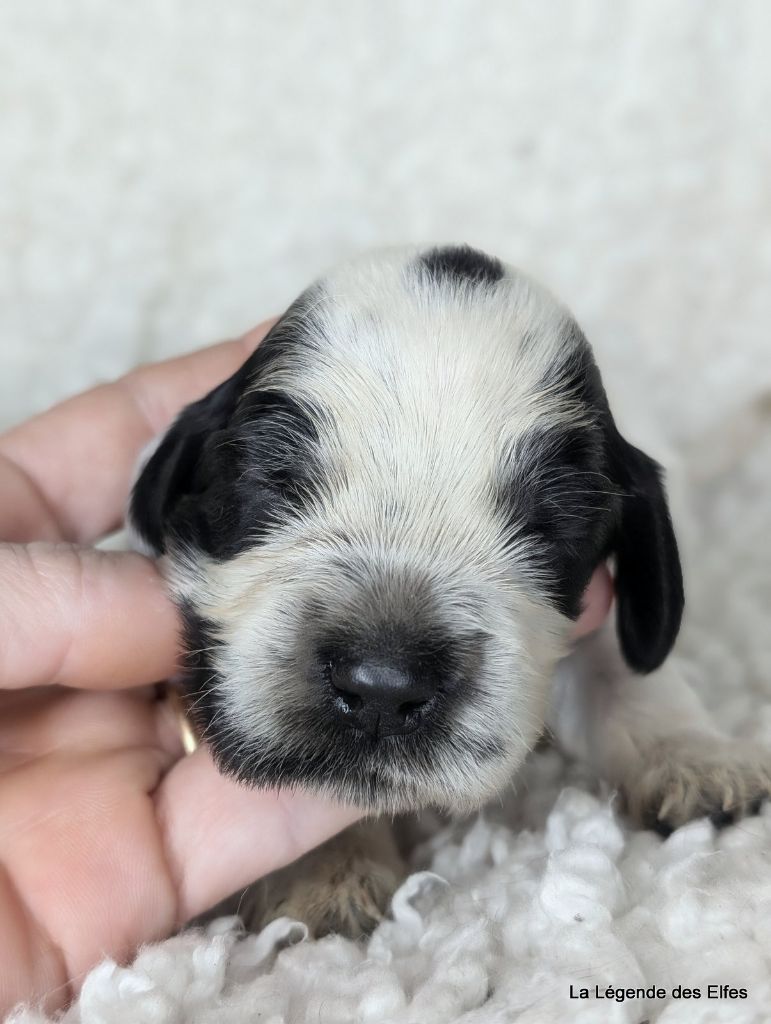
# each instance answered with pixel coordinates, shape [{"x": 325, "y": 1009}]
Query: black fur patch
[
  {"x": 648, "y": 577},
  {"x": 461, "y": 263},
  {"x": 348, "y": 764},
  {"x": 589, "y": 494},
  {"x": 557, "y": 496},
  {"x": 246, "y": 477},
  {"x": 232, "y": 463}
]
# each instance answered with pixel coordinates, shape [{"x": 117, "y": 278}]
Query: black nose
[{"x": 379, "y": 699}]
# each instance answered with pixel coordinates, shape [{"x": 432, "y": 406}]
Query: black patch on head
[
  {"x": 461, "y": 263},
  {"x": 584, "y": 494},
  {"x": 233, "y": 463},
  {"x": 556, "y": 495},
  {"x": 648, "y": 576}
]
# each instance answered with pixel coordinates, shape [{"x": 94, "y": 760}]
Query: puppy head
[{"x": 379, "y": 531}]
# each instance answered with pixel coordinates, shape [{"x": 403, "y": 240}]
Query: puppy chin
[{"x": 386, "y": 777}]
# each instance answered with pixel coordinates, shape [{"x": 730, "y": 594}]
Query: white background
[{"x": 172, "y": 172}]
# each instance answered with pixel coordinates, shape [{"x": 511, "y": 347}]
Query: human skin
[{"x": 109, "y": 836}]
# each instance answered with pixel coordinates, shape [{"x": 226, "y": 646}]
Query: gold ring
[{"x": 187, "y": 731}]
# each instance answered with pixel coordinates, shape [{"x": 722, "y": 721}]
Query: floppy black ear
[
  {"x": 172, "y": 474},
  {"x": 649, "y": 581}
]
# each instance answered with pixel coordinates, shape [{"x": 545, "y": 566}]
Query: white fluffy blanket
[{"x": 174, "y": 172}]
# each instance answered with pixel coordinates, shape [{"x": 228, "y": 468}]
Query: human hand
[{"x": 109, "y": 837}]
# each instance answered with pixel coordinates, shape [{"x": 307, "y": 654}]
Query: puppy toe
[
  {"x": 695, "y": 777},
  {"x": 348, "y": 900}
]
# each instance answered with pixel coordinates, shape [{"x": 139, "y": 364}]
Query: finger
[
  {"x": 42, "y": 719},
  {"x": 24, "y": 511},
  {"x": 93, "y": 619},
  {"x": 80, "y": 839},
  {"x": 220, "y": 836},
  {"x": 71, "y": 467},
  {"x": 83, "y": 870}
]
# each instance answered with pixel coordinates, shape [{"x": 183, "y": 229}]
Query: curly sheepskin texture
[{"x": 173, "y": 172}]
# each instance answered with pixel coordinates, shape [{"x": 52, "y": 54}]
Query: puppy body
[{"x": 379, "y": 532}]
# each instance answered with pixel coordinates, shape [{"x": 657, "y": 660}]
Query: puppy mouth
[
  {"x": 385, "y": 727},
  {"x": 375, "y": 770}
]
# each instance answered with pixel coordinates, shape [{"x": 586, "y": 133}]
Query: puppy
[{"x": 380, "y": 533}]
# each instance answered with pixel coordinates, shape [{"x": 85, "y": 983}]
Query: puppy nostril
[
  {"x": 378, "y": 698},
  {"x": 348, "y": 701},
  {"x": 411, "y": 707}
]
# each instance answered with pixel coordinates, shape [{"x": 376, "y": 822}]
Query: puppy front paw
[
  {"x": 689, "y": 776},
  {"x": 348, "y": 899},
  {"x": 343, "y": 887}
]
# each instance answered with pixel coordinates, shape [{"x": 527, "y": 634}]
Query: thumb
[{"x": 220, "y": 836}]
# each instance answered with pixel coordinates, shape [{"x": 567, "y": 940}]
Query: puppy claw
[
  {"x": 697, "y": 776},
  {"x": 343, "y": 887},
  {"x": 350, "y": 903},
  {"x": 666, "y": 807}
]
